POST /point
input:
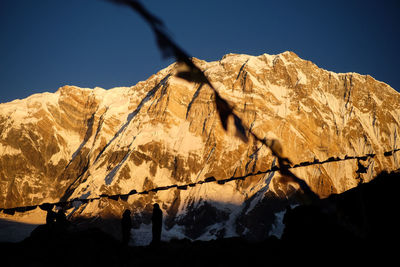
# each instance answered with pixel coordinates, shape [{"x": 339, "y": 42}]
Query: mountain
[{"x": 165, "y": 132}]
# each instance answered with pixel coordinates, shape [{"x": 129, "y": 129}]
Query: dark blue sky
[{"x": 46, "y": 44}]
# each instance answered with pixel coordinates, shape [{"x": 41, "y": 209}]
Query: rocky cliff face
[{"x": 81, "y": 143}]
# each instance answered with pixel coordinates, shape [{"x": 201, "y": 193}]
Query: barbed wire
[{"x": 124, "y": 197}]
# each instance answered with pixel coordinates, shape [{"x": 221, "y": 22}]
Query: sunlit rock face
[{"x": 81, "y": 143}]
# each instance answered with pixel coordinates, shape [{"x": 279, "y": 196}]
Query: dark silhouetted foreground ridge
[{"x": 341, "y": 228}]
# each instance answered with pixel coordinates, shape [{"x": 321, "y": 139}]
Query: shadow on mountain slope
[
  {"x": 358, "y": 225},
  {"x": 12, "y": 231}
]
